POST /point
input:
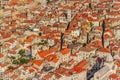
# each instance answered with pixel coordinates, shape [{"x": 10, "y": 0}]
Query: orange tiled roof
[
  {"x": 62, "y": 15},
  {"x": 57, "y": 75},
  {"x": 5, "y": 34},
  {"x": 61, "y": 70},
  {"x": 12, "y": 52},
  {"x": 114, "y": 76},
  {"x": 29, "y": 21},
  {"x": 72, "y": 61},
  {"x": 65, "y": 51},
  {"x": 79, "y": 67},
  {"x": 7, "y": 22},
  {"x": 14, "y": 76},
  {"x": 55, "y": 60},
  {"x": 1, "y": 55},
  {"x": 29, "y": 1},
  {"x": 44, "y": 53},
  {"x": 117, "y": 63},
  {"x": 12, "y": 2},
  {"x": 25, "y": 68},
  {"x": 46, "y": 77},
  {"x": 82, "y": 63},
  {"x": 106, "y": 36},
  {"x": 13, "y": 24},
  {"x": 77, "y": 70},
  {"x": 73, "y": 55},
  {"x": 3, "y": 65},
  {"x": 11, "y": 40},
  {"x": 99, "y": 28},
  {"x": 31, "y": 70},
  {"x": 37, "y": 62},
  {"x": 43, "y": 37},
  {"x": 97, "y": 43},
  {"x": 8, "y": 71},
  {"x": 107, "y": 50},
  {"x": 115, "y": 48},
  {"x": 117, "y": 70},
  {"x": 52, "y": 57},
  {"x": 29, "y": 39}
]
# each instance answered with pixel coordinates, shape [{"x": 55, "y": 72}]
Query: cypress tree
[
  {"x": 61, "y": 40},
  {"x": 90, "y": 5},
  {"x": 103, "y": 31},
  {"x": 68, "y": 26},
  {"x": 87, "y": 41}
]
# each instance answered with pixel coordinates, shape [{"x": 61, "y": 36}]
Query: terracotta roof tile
[
  {"x": 77, "y": 70},
  {"x": 44, "y": 53},
  {"x": 8, "y": 71},
  {"x": 114, "y": 76},
  {"x": 11, "y": 40},
  {"x": 29, "y": 39},
  {"x": 14, "y": 76},
  {"x": 31, "y": 70},
  {"x": 3, "y": 65},
  {"x": 1, "y": 55},
  {"x": 37, "y": 62},
  {"x": 57, "y": 75},
  {"x": 117, "y": 70},
  {"x": 65, "y": 51},
  {"x": 46, "y": 77},
  {"x": 107, "y": 50},
  {"x": 82, "y": 64}
]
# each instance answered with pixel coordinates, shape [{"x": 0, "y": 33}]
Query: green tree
[
  {"x": 91, "y": 24},
  {"x": 0, "y": 44},
  {"x": 43, "y": 42},
  {"x": 16, "y": 62},
  {"x": 48, "y": 1},
  {"x": 74, "y": 41},
  {"x": 10, "y": 67},
  {"x": 12, "y": 57},
  {"x": 23, "y": 60},
  {"x": 21, "y": 52},
  {"x": 84, "y": 44}
]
